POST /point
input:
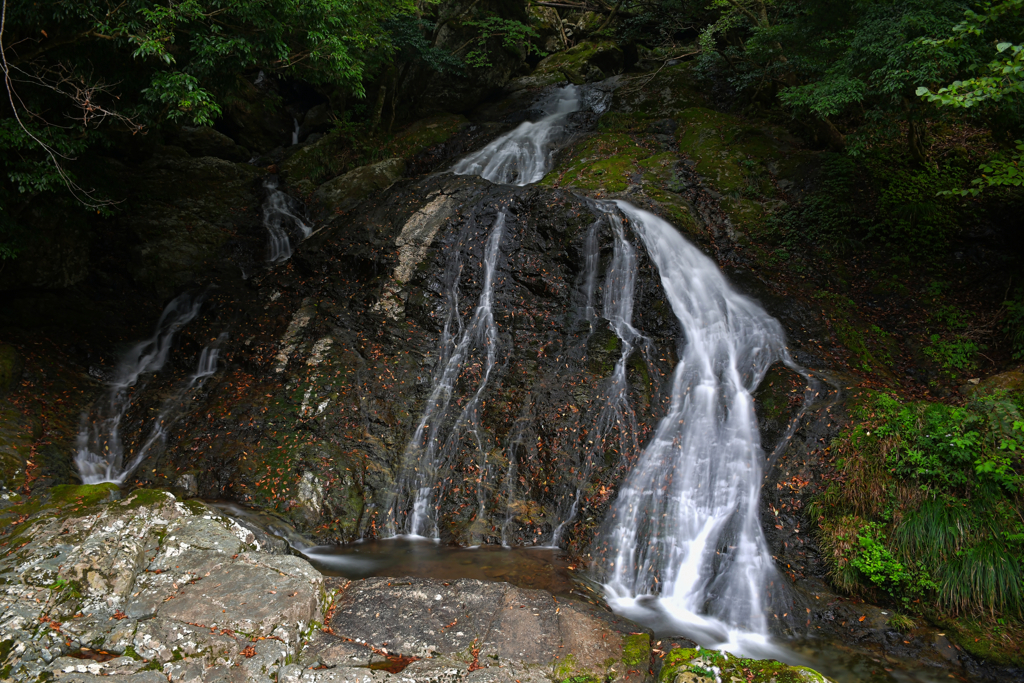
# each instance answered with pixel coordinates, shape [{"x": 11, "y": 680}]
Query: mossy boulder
[
  {"x": 314, "y": 163},
  {"x": 614, "y": 159},
  {"x": 344, "y": 193},
  {"x": 689, "y": 665},
  {"x": 1011, "y": 380},
  {"x": 665, "y": 93},
  {"x": 584, "y": 63}
]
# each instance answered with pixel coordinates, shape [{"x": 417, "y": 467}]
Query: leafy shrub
[{"x": 929, "y": 510}]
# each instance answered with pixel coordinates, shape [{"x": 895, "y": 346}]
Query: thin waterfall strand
[
  {"x": 426, "y": 453},
  {"x": 100, "y": 453},
  {"x": 282, "y": 216},
  {"x": 615, "y": 410}
]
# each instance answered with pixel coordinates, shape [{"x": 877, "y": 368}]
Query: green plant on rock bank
[
  {"x": 929, "y": 511},
  {"x": 514, "y": 35}
]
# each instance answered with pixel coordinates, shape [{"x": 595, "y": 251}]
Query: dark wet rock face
[{"x": 352, "y": 333}]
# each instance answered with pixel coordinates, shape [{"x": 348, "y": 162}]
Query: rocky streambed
[{"x": 152, "y": 588}]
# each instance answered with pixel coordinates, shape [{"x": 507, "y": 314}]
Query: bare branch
[{"x": 83, "y": 196}]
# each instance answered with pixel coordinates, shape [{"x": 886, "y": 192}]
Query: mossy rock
[
  {"x": 665, "y": 93},
  {"x": 327, "y": 156},
  {"x": 1011, "y": 380},
  {"x": 688, "y": 665},
  {"x": 636, "y": 649},
  {"x": 584, "y": 63},
  {"x": 11, "y": 367},
  {"x": 610, "y": 162}
]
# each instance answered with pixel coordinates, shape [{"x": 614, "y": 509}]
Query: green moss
[
  {"x": 424, "y": 133},
  {"x": 730, "y": 667},
  {"x": 85, "y": 495},
  {"x": 636, "y": 649},
  {"x": 578, "y": 62},
  {"x": 145, "y": 498}
]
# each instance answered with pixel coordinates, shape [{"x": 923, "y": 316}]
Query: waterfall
[
  {"x": 442, "y": 426},
  {"x": 100, "y": 454},
  {"x": 617, "y": 309},
  {"x": 682, "y": 546},
  {"x": 281, "y": 215},
  {"x": 523, "y": 156},
  {"x": 685, "y": 524}
]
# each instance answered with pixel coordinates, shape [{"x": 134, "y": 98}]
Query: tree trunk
[
  {"x": 836, "y": 141},
  {"x": 378, "y": 107}
]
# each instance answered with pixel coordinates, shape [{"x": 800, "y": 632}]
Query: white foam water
[
  {"x": 683, "y": 542},
  {"x": 523, "y": 156},
  {"x": 282, "y": 217}
]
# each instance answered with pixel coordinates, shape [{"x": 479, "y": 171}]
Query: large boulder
[
  {"x": 253, "y": 117},
  {"x": 344, "y": 193},
  {"x": 182, "y": 211},
  {"x": 583, "y": 63},
  {"x": 204, "y": 141},
  {"x": 171, "y": 586}
]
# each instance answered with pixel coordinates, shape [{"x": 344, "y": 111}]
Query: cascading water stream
[
  {"x": 281, "y": 215},
  {"x": 615, "y": 410},
  {"x": 683, "y": 539},
  {"x": 426, "y": 454},
  {"x": 100, "y": 454},
  {"x": 522, "y": 156},
  {"x": 682, "y": 546}
]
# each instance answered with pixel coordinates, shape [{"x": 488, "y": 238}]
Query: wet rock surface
[{"x": 158, "y": 586}]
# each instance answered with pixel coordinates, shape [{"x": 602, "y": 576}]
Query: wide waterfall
[
  {"x": 685, "y": 525},
  {"x": 100, "y": 454},
  {"x": 682, "y": 547}
]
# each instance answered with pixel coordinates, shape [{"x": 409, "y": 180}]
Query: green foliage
[
  {"x": 409, "y": 36},
  {"x": 901, "y": 622},
  {"x": 1002, "y": 170},
  {"x": 82, "y": 68},
  {"x": 183, "y": 98},
  {"x": 911, "y": 215},
  {"x": 513, "y": 34},
  {"x": 1013, "y": 324},
  {"x": 831, "y": 218},
  {"x": 1003, "y": 76},
  {"x": 930, "y": 509},
  {"x": 874, "y": 559},
  {"x": 958, "y": 353}
]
